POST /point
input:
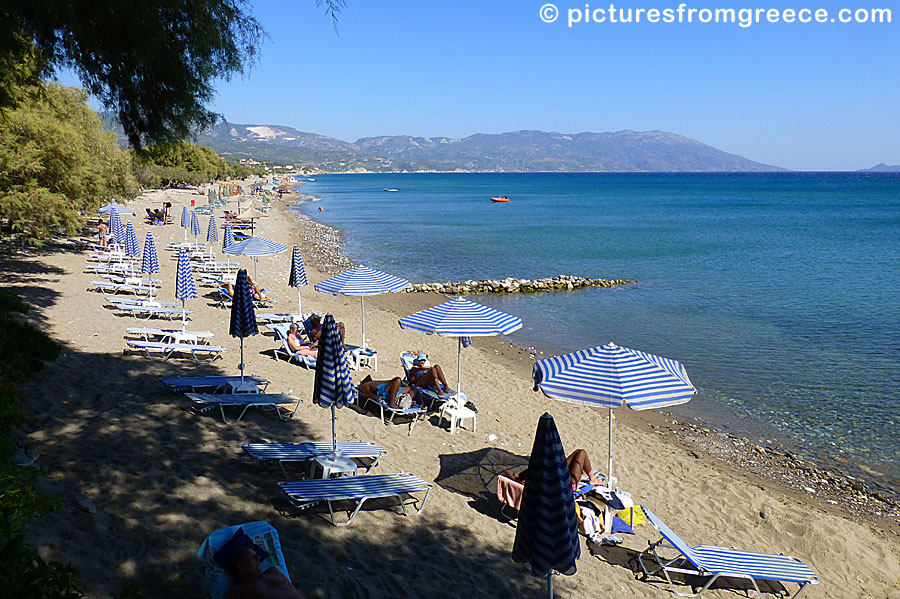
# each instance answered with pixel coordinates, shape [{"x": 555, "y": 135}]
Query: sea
[{"x": 779, "y": 292}]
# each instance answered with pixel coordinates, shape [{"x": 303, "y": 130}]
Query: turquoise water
[{"x": 779, "y": 292}]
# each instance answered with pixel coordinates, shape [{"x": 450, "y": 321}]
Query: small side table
[
  {"x": 242, "y": 387},
  {"x": 331, "y": 464}
]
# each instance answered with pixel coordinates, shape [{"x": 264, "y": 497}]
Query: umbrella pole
[
  {"x": 362, "y": 303},
  {"x": 458, "y": 364},
  {"x": 299, "y": 303},
  {"x": 183, "y": 317},
  {"x": 333, "y": 432},
  {"x": 241, "y": 365},
  {"x": 550, "y": 583},
  {"x": 256, "y": 278},
  {"x": 609, "y": 452}
]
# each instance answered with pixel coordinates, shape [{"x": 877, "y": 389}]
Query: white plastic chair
[{"x": 455, "y": 410}]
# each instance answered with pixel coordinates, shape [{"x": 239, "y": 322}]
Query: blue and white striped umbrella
[
  {"x": 132, "y": 248},
  {"x": 610, "y": 375},
  {"x": 243, "y": 317},
  {"x": 149, "y": 261},
  {"x": 113, "y": 207},
  {"x": 212, "y": 231},
  {"x": 227, "y": 242},
  {"x": 362, "y": 281},
  {"x": 298, "y": 276},
  {"x": 185, "y": 288},
  {"x": 185, "y": 221},
  {"x": 547, "y": 530},
  {"x": 333, "y": 386},
  {"x": 461, "y": 318},
  {"x": 254, "y": 247},
  {"x": 195, "y": 226},
  {"x": 115, "y": 227}
]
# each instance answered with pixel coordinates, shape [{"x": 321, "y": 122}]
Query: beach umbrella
[
  {"x": 113, "y": 207},
  {"x": 212, "y": 232},
  {"x": 461, "y": 318},
  {"x": 255, "y": 247},
  {"x": 243, "y": 317},
  {"x": 185, "y": 221},
  {"x": 149, "y": 261},
  {"x": 298, "y": 276},
  {"x": 547, "y": 530},
  {"x": 608, "y": 376},
  {"x": 333, "y": 386},
  {"x": 185, "y": 288},
  {"x": 195, "y": 226},
  {"x": 116, "y": 230},
  {"x": 227, "y": 242},
  {"x": 132, "y": 248},
  {"x": 362, "y": 281}
]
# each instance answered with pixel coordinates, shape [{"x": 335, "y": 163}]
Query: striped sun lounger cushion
[
  {"x": 245, "y": 400},
  {"x": 311, "y": 450},
  {"x": 209, "y": 383}
]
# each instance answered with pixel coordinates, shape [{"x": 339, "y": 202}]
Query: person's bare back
[{"x": 271, "y": 584}]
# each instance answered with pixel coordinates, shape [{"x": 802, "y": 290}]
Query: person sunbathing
[
  {"x": 297, "y": 345},
  {"x": 250, "y": 582},
  {"x": 315, "y": 329},
  {"x": 427, "y": 376},
  {"x": 579, "y": 468},
  {"x": 393, "y": 389},
  {"x": 255, "y": 291}
]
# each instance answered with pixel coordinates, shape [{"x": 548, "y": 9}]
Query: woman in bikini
[{"x": 427, "y": 376}]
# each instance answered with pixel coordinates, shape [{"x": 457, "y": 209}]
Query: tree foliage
[
  {"x": 55, "y": 161},
  {"x": 183, "y": 163}
]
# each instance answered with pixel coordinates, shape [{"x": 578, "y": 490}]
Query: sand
[{"x": 162, "y": 477}]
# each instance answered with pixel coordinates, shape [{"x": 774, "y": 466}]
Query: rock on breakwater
[{"x": 513, "y": 285}]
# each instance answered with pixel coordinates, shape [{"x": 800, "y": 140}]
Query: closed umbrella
[
  {"x": 609, "y": 376},
  {"x": 243, "y": 317},
  {"x": 333, "y": 386},
  {"x": 255, "y": 247},
  {"x": 185, "y": 221},
  {"x": 547, "y": 531},
  {"x": 461, "y": 318},
  {"x": 132, "y": 248},
  {"x": 116, "y": 230},
  {"x": 298, "y": 276},
  {"x": 185, "y": 288},
  {"x": 195, "y": 226},
  {"x": 362, "y": 281},
  {"x": 149, "y": 261},
  {"x": 212, "y": 232},
  {"x": 227, "y": 242}
]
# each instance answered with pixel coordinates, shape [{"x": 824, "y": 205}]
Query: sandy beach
[{"x": 162, "y": 477}]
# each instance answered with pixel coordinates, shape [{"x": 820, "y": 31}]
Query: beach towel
[{"x": 509, "y": 492}]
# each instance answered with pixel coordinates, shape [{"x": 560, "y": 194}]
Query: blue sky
[{"x": 802, "y": 96}]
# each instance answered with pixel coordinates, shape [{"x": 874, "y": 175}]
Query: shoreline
[
  {"x": 161, "y": 476},
  {"x": 858, "y": 494}
]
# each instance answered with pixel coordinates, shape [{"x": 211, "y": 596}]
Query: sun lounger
[
  {"x": 168, "y": 349},
  {"x": 416, "y": 412},
  {"x": 151, "y": 311},
  {"x": 170, "y": 335},
  {"x": 118, "y": 268},
  {"x": 130, "y": 301},
  {"x": 220, "y": 267},
  {"x": 271, "y": 401},
  {"x": 712, "y": 562},
  {"x": 270, "y": 318},
  {"x": 285, "y": 352},
  {"x": 212, "y": 384},
  {"x": 110, "y": 287},
  {"x": 367, "y": 454},
  {"x": 224, "y": 299},
  {"x": 263, "y": 536},
  {"x": 127, "y": 279},
  {"x": 306, "y": 493}
]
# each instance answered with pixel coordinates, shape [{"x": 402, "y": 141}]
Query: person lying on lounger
[
  {"x": 579, "y": 467},
  {"x": 255, "y": 291},
  {"x": 250, "y": 582},
  {"x": 297, "y": 345},
  {"x": 427, "y": 376},
  {"x": 392, "y": 389}
]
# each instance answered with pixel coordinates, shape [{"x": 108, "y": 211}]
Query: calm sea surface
[{"x": 779, "y": 292}]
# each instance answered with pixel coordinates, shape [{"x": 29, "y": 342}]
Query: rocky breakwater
[{"x": 512, "y": 285}]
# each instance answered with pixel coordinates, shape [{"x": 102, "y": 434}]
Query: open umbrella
[
  {"x": 255, "y": 247},
  {"x": 461, "y": 318},
  {"x": 149, "y": 261},
  {"x": 116, "y": 230},
  {"x": 243, "y": 317},
  {"x": 333, "y": 386},
  {"x": 195, "y": 226},
  {"x": 362, "y": 281},
  {"x": 610, "y": 375},
  {"x": 185, "y": 221},
  {"x": 132, "y": 248},
  {"x": 298, "y": 276},
  {"x": 547, "y": 531},
  {"x": 185, "y": 288}
]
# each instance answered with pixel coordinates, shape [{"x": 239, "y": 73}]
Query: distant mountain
[
  {"x": 881, "y": 168},
  {"x": 622, "y": 151}
]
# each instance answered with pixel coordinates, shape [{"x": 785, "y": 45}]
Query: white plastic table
[{"x": 331, "y": 464}]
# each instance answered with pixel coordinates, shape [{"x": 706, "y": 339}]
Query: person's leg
[
  {"x": 393, "y": 388},
  {"x": 340, "y": 329},
  {"x": 579, "y": 466},
  {"x": 369, "y": 388},
  {"x": 438, "y": 374}
]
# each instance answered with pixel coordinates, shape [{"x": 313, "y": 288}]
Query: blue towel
[
  {"x": 619, "y": 525},
  {"x": 466, "y": 341}
]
